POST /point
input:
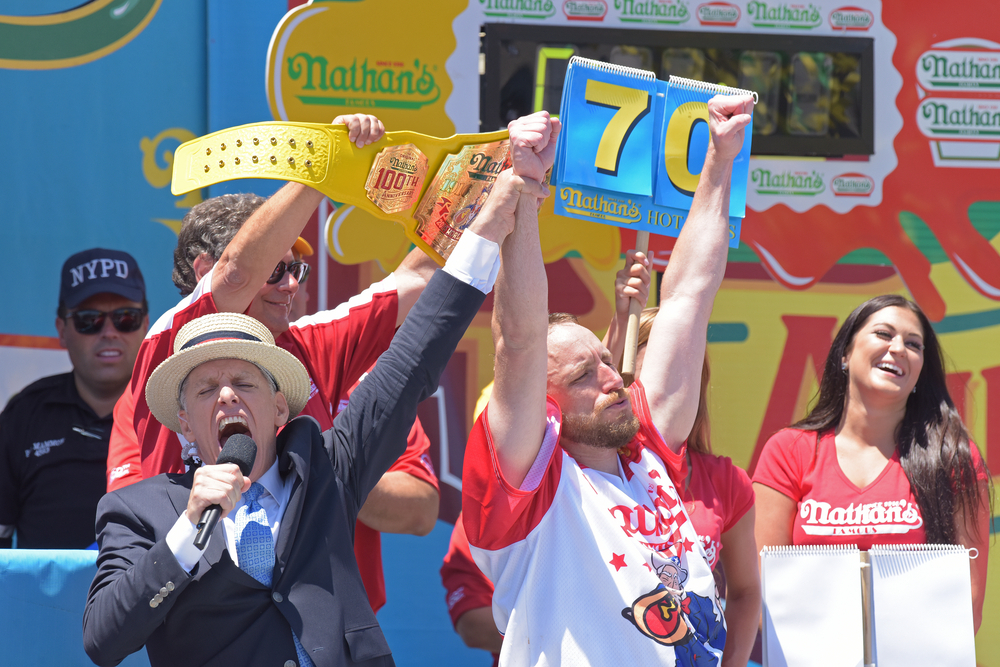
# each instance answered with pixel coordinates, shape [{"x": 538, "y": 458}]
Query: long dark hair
[{"x": 933, "y": 443}]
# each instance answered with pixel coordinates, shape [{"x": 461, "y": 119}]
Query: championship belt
[{"x": 388, "y": 178}]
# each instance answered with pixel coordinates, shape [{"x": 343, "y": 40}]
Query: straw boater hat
[{"x": 223, "y": 336}]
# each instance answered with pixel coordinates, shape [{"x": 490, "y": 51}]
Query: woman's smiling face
[{"x": 887, "y": 354}]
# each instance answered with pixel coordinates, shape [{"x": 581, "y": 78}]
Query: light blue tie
[{"x": 255, "y": 549}]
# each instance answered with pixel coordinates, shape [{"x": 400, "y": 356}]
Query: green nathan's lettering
[
  {"x": 784, "y": 14},
  {"x": 964, "y": 116},
  {"x": 653, "y": 8},
  {"x": 939, "y": 66},
  {"x": 787, "y": 181},
  {"x": 319, "y": 75}
]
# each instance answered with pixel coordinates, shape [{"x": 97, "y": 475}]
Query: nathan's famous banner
[{"x": 915, "y": 213}]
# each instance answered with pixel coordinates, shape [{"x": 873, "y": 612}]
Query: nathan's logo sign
[
  {"x": 942, "y": 118},
  {"x": 518, "y": 9},
  {"x": 388, "y": 84},
  {"x": 878, "y": 518},
  {"x": 851, "y": 18},
  {"x": 769, "y": 182},
  {"x": 782, "y": 15},
  {"x": 671, "y": 12},
  {"x": 318, "y": 67},
  {"x": 852, "y": 185},
  {"x": 718, "y": 13},
  {"x": 585, "y": 10},
  {"x": 959, "y": 70},
  {"x": 618, "y": 209}
]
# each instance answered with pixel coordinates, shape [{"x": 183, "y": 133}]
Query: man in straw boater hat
[
  {"x": 277, "y": 582},
  {"x": 241, "y": 253}
]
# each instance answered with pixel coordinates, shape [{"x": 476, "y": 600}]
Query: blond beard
[{"x": 590, "y": 430}]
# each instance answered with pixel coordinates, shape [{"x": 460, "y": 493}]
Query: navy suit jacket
[{"x": 219, "y": 615}]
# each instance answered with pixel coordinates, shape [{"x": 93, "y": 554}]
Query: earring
[
  {"x": 843, "y": 366},
  {"x": 914, "y": 390}
]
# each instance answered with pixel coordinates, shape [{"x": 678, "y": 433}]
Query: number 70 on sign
[{"x": 613, "y": 123}]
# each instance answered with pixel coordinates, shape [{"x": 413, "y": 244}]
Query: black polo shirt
[{"x": 53, "y": 457}]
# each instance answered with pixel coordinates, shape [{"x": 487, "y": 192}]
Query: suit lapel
[{"x": 294, "y": 449}]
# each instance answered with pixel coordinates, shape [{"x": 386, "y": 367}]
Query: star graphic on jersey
[
  {"x": 618, "y": 560},
  {"x": 686, "y": 545},
  {"x": 648, "y": 566}
]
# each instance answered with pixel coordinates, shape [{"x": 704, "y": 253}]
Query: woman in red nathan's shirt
[{"x": 883, "y": 457}]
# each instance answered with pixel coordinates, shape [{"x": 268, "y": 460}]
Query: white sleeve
[
  {"x": 180, "y": 540},
  {"x": 475, "y": 261}
]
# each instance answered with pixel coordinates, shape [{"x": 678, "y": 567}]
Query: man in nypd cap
[
  {"x": 278, "y": 583},
  {"x": 54, "y": 433}
]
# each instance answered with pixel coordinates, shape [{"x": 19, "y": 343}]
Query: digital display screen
[{"x": 815, "y": 93}]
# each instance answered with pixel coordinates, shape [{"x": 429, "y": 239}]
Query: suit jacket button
[
  {"x": 155, "y": 602},
  {"x": 276, "y": 596},
  {"x": 290, "y": 663},
  {"x": 164, "y": 592},
  {"x": 170, "y": 586}
]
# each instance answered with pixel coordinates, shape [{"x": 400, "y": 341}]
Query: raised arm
[
  {"x": 631, "y": 283},
  {"x": 412, "y": 275},
  {"x": 671, "y": 371},
  {"x": 251, "y": 256},
  {"x": 516, "y": 411}
]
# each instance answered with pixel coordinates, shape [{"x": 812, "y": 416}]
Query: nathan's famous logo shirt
[
  {"x": 831, "y": 509},
  {"x": 877, "y": 518}
]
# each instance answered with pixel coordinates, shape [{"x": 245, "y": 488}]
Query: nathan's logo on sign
[
  {"x": 787, "y": 182},
  {"x": 852, "y": 185},
  {"x": 386, "y": 84},
  {"x": 956, "y": 70},
  {"x": 781, "y": 15},
  {"x": 597, "y": 206},
  {"x": 851, "y": 18},
  {"x": 585, "y": 10},
  {"x": 519, "y": 9},
  {"x": 718, "y": 13},
  {"x": 942, "y": 118},
  {"x": 671, "y": 12}
]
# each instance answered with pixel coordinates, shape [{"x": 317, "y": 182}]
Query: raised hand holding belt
[{"x": 322, "y": 157}]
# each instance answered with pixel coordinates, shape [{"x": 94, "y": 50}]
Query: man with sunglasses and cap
[
  {"x": 54, "y": 433},
  {"x": 294, "y": 596}
]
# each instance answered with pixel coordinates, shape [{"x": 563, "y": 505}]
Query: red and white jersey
[
  {"x": 591, "y": 568},
  {"x": 336, "y": 347},
  {"x": 717, "y": 495}
]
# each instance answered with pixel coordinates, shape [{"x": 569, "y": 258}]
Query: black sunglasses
[
  {"x": 89, "y": 322},
  {"x": 299, "y": 270}
]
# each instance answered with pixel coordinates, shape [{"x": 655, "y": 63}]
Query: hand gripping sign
[
  {"x": 388, "y": 178},
  {"x": 631, "y": 153}
]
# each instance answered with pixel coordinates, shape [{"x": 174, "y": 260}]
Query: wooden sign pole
[{"x": 634, "y": 311}]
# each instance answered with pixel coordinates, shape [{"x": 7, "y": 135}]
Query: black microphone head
[{"x": 241, "y": 450}]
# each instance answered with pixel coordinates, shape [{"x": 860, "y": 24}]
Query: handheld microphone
[{"x": 241, "y": 450}]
